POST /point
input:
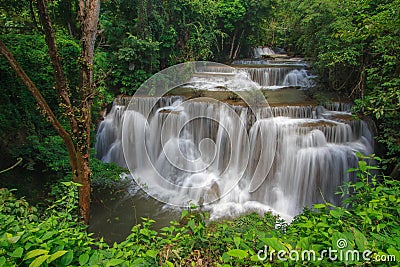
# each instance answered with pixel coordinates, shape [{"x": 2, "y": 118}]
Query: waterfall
[
  {"x": 262, "y": 51},
  {"x": 241, "y": 78},
  {"x": 298, "y": 78},
  {"x": 233, "y": 159},
  {"x": 249, "y": 74},
  {"x": 279, "y": 77}
]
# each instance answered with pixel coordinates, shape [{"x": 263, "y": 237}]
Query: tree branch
[
  {"x": 45, "y": 108},
  {"x": 32, "y": 12},
  {"x": 59, "y": 77}
]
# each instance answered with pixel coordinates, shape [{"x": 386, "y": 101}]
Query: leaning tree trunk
[
  {"x": 79, "y": 165},
  {"x": 44, "y": 107},
  {"x": 78, "y": 112}
]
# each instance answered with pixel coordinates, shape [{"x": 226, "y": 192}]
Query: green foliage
[
  {"x": 355, "y": 47},
  {"x": 21, "y": 124},
  {"x": 19, "y": 115},
  {"x": 133, "y": 68},
  {"x": 102, "y": 67},
  {"x": 53, "y": 239},
  {"x": 15, "y": 14},
  {"x": 105, "y": 175},
  {"x": 51, "y": 153},
  {"x": 243, "y": 25},
  {"x": 143, "y": 37},
  {"x": 368, "y": 221},
  {"x": 23, "y": 129},
  {"x": 16, "y": 207}
]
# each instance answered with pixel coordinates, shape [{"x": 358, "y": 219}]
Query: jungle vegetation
[{"x": 79, "y": 67}]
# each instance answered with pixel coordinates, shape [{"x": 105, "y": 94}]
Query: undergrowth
[{"x": 364, "y": 231}]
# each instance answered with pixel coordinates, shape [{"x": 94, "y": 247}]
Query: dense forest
[{"x": 353, "y": 47}]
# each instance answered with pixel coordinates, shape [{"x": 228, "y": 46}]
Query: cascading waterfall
[
  {"x": 262, "y": 51},
  {"x": 298, "y": 78},
  {"x": 234, "y": 159},
  {"x": 265, "y": 77},
  {"x": 267, "y": 74}
]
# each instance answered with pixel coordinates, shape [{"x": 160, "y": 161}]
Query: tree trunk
[
  {"x": 83, "y": 178},
  {"x": 78, "y": 113},
  {"x": 89, "y": 11},
  {"x": 78, "y": 166},
  {"x": 232, "y": 44},
  {"x": 238, "y": 46},
  {"x": 46, "y": 110},
  {"x": 59, "y": 77}
]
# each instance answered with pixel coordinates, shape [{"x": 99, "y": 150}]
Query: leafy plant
[{"x": 368, "y": 221}]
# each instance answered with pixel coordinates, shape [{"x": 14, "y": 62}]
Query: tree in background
[
  {"x": 145, "y": 36},
  {"x": 242, "y": 23},
  {"x": 76, "y": 137},
  {"x": 355, "y": 47}
]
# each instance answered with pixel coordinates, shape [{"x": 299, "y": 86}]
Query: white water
[
  {"x": 232, "y": 159},
  {"x": 250, "y": 78},
  {"x": 262, "y": 51},
  {"x": 299, "y": 78},
  {"x": 253, "y": 74}
]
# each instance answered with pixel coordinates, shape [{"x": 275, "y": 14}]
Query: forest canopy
[{"x": 351, "y": 46}]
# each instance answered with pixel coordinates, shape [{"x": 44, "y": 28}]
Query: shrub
[{"x": 368, "y": 222}]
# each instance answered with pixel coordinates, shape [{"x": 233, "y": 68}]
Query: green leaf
[
  {"x": 83, "y": 259},
  {"x": 236, "y": 240},
  {"x": 336, "y": 213},
  {"x": 35, "y": 253},
  {"x": 67, "y": 258},
  {"x": 362, "y": 165},
  {"x": 359, "y": 185},
  {"x": 341, "y": 241},
  {"x": 359, "y": 155},
  {"x": 17, "y": 253},
  {"x": 184, "y": 213},
  {"x": 393, "y": 251},
  {"x": 94, "y": 259},
  {"x": 39, "y": 260},
  {"x": 255, "y": 258},
  {"x": 225, "y": 257},
  {"x": 319, "y": 206},
  {"x": 2, "y": 260},
  {"x": 274, "y": 243},
  {"x": 303, "y": 243},
  {"x": 360, "y": 239},
  {"x": 191, "y": 224},
  {"x": 151, "y": 253},
  {"x": 351, "y": 170},
  {"x": 56, "y": 255},
  {"x": 237, "y": 253},
  {"x": 47, "y": 235},
  {"x": 170, "y": 264},
  {"x": 114, "y": 262},
  {"x": 13, "y": 239}
]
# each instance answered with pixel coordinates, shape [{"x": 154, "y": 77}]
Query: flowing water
[
  {"x": 277, "y": 73},
  {"x": 294, "y": 159},
  {"x": 259, "y": 52},
  {"x": 228, "y": 159}
]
